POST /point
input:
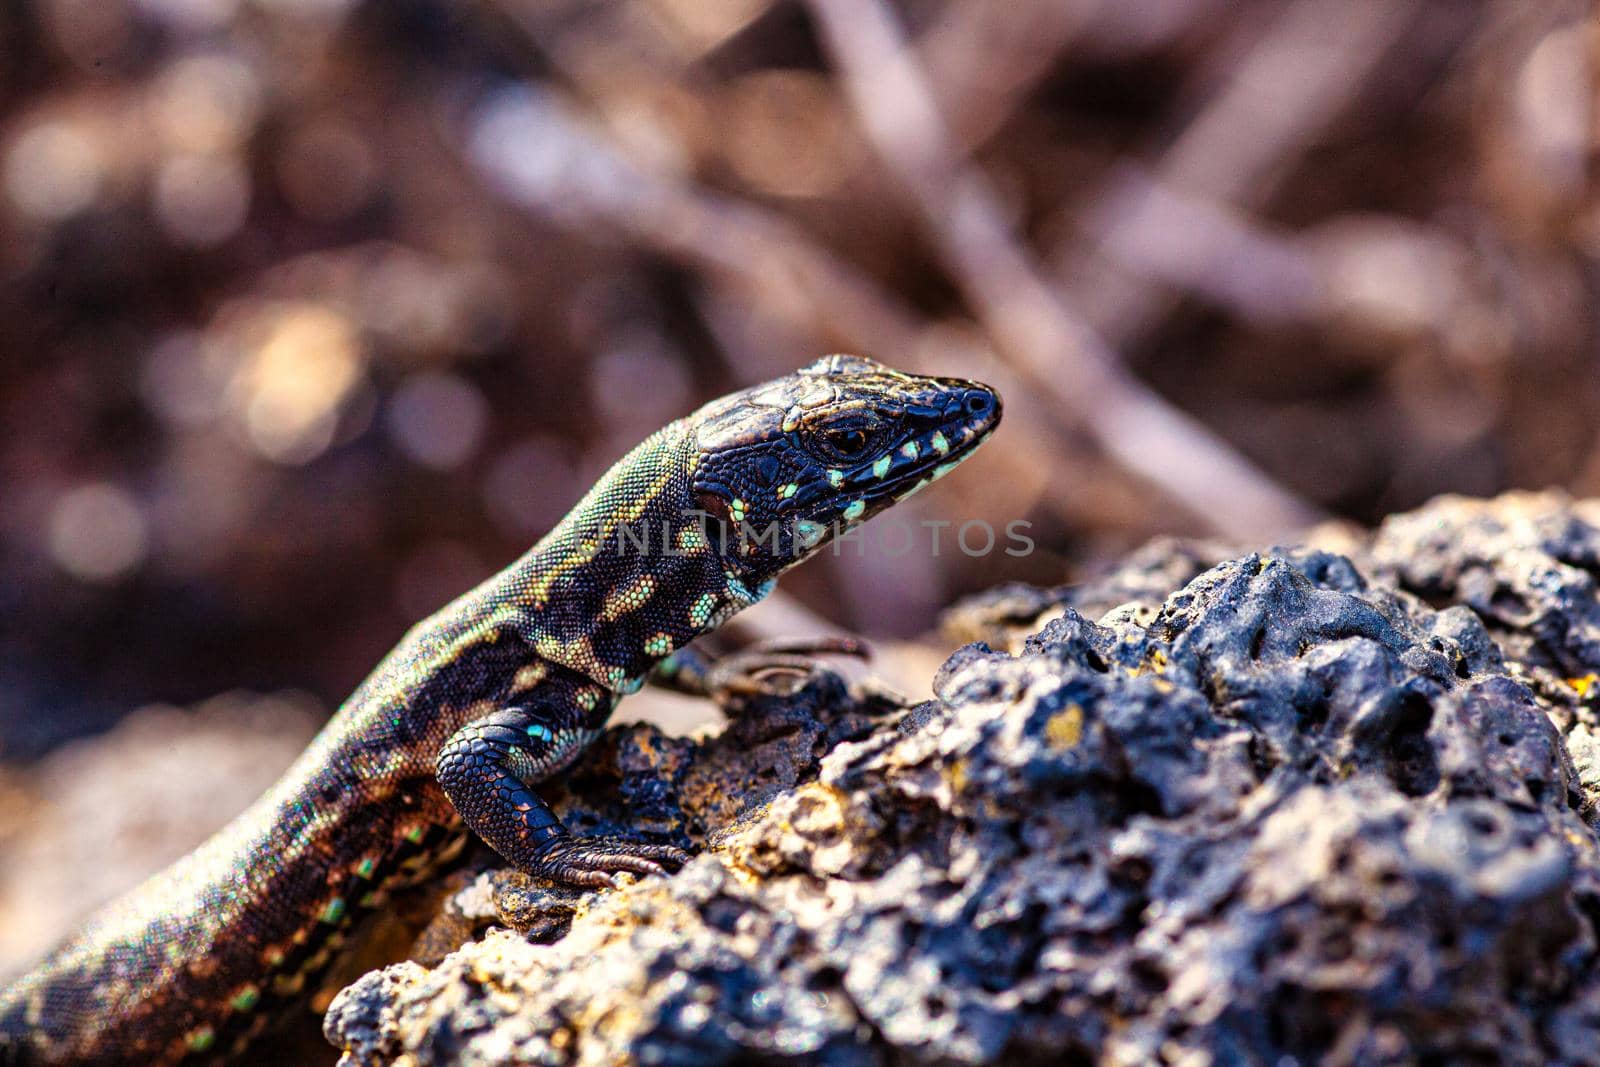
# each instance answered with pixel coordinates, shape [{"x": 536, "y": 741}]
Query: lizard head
[{"x": 784, "y": 467}]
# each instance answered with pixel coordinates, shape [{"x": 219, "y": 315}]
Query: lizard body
[{"x": 497, "y": 691}]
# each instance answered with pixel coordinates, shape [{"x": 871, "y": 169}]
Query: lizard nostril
[{"x": 979, "y": 402}]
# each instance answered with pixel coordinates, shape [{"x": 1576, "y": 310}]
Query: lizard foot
[
  {"x": 776, "y": 668},
  {"x": 784, "y": 668},
  {"x": 594, "y": 861}
]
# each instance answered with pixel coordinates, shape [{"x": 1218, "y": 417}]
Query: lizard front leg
[{"x": 488, "y": 769}]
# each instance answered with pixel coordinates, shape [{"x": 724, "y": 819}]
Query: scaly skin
[{"x": 478, "y": 704}]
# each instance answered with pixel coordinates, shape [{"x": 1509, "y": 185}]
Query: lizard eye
[
  {"x": 848, "y": 438},
  {"x": 847, "y": 442}
]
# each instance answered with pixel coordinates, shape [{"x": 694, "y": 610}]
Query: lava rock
[{"x": 1296, "y": 806}]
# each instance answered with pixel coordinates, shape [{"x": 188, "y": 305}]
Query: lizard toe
[{"x": 593, "y": 862}]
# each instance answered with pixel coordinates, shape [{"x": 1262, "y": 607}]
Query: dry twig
[
  {"x": 1027, "y": 319},
  {"x": 1225, "y": 163}
]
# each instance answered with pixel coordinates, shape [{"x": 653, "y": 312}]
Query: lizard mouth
[{"x": 969, "y": 415}]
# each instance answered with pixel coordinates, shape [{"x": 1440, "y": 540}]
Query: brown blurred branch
[
  {"x": 984, "y": 59},
  {"x": 1225, "y": 163},
  {"x": 1226, "y": 256},
  {"x": 578, "y": 177},
  {"x": 1029, "y": 322}
]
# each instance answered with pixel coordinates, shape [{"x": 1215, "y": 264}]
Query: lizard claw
[
  {"x": 756, "y": 671},
  {"x": 595, "y": 861}
]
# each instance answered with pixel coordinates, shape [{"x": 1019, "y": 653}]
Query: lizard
[{"x": 498, "y": 691}]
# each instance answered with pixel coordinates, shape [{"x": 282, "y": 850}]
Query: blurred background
[{"x": 313, "y": 313}]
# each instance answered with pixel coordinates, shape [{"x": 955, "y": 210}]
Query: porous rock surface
[{"x": 1275, "y": 808}]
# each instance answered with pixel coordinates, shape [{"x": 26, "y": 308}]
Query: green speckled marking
[
  {"x": 835, "y": 478},
  {"x": 246, "y": 999},
  {"x": 788, "y": 491},
  {"x": 700, "y": 611},
  {"x": 910, "y": 450},
  {"x": 621, "y": 601},
  {"x": 856, "y": 509},
  {"x": 200, "y": 1039},
  {"x": 810, "y": 532},
  {"x": 588, "y": 699},
  {"x": 880, "y": 469},
  {"x": 689, "y": 539},
  {"x": 414, "y": 835},
  {"x": 736, "y": 508},
  {"x": 941, "y": 443},
  {"x": 333, "y": 912},
  {"x": 659, "y": 645},
  {"x": 367, "y": 868}
]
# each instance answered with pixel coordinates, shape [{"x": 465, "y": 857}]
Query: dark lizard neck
[{"x": 627, "y": 577}]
